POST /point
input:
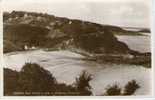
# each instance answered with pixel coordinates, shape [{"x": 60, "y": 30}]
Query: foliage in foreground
[
  {"x": 114, "y": 90},
  {"x": 129, "y": 89},
  {"x": 34, "y": 80},
  {"x": 82, "y": 83}
]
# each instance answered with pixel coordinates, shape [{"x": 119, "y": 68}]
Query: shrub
[
  {"x": 10, "y": 81},
  {"x": 113, "y": 91},
  {"x": 131, "y": 87},
  {"x": 34, "y": 80},
  {"x": 82, "y": 83}
]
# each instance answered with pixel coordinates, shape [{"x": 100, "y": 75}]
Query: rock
[{"x": 47, "y": 31}]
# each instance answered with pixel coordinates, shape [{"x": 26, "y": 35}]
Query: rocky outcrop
[{"x": 48, "y": 31}]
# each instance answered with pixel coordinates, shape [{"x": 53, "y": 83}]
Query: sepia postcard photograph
[{"x": 77, "y": 48}]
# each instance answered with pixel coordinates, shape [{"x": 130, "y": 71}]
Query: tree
[
  {"x": 10, "y": 81},
  {"x": 34, "y": 78},
  {"x": 82, "y": 83},
  {"x": 131, "y": 87},
  {"x": 113, "y": 91}
]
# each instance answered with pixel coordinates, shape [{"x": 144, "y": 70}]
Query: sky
[{"x": 127, "y": 13}]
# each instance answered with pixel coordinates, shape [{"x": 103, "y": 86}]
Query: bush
[
  {"x": 113, "y": 91},
  {"x": 131, "y": 87},
  {"x": 33, "y": 80},
  {"x": 10, "y": 81},
  {"x": 82, "y": 83}
]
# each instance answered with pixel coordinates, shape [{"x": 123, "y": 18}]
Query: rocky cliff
[{"x": 48, "y": 31}]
